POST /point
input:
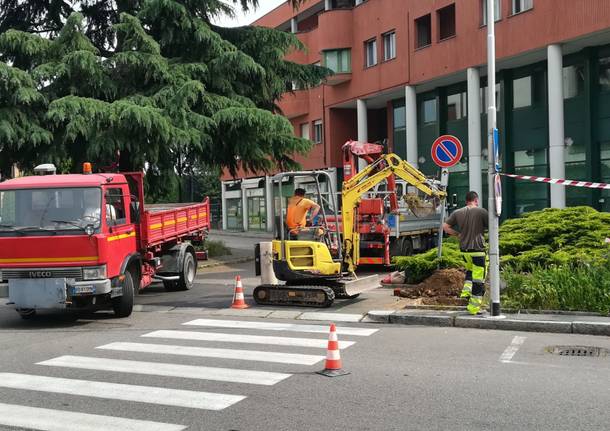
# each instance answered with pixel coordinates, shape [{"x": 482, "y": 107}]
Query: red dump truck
[{"x": 87, "y": 241}]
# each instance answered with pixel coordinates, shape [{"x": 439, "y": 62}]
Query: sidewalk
[{"x": 557, "y": 323}]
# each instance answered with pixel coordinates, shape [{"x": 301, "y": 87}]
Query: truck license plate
[{"x": 83, "y": 290}]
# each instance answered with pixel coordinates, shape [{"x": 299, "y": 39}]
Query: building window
[
  {"x": 522, "y": 92},
  {"x": 318, "y": 134},
  {"x": 370, "y": 47},
  {"x": 305, "y": 130},
  {"x": 497, "y": 11},
  {"x": 522, "y": 5},
  {"x": 530, "y": 197},
  {"x": 484, "y": 98},
  {"x": 428, "y": 109},
  {"x": 573, "y": 81},
  {"x": 604, "y": 74},
  {"x": 457, "y": 106},
  {"x": 399, "y": 120},
  {"x": 446, "y": 22},
  {"x": 423, "y": 27},
  {"x": 389, "y": 46},
  {"x": 115, "y": 207},
  {"x": 605, "y": 175},
  {"x": 339, "y": 60}
]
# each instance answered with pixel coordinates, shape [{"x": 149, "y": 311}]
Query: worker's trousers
[{"x": 474, "y": 284}]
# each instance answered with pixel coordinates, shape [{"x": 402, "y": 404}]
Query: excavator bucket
[{"x": 351, "y": 287}]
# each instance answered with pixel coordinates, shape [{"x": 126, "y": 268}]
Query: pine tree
[{"x": 151, "y": 80}]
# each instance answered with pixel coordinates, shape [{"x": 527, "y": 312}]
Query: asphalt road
[{"x": 402, "y": 378}]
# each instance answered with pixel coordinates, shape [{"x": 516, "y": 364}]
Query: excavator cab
[{"x": 311, "y": 267}]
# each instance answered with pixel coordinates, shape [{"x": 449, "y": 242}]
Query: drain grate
[{"x": 578, "y": 351}]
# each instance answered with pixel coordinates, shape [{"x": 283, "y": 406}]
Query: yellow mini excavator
[{"x": 316, "y": 271}]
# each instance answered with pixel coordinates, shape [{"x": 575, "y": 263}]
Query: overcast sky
[{"x": 243, "y": 19}]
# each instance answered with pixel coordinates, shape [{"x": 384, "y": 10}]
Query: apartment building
[{"x": 407, "y": 71}]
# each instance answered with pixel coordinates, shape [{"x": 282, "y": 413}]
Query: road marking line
[
  {"x": 510, "y": 351},
  {"x": 118, "y": 391},
  {"x": 248, "y": 339},
  {"x": 204, "y": 352},
  {"x": 59, "y": 420},
  {"x": 268, "y": 326},
  {"x": 171, "y": 370}
]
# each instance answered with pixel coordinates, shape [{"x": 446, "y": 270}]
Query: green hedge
[
  {"x": 552, "y": 237},
  {"x": 420, "y": 266},
  {"x": 551, "y": 260},
  {"x": 580, "y": 288}
]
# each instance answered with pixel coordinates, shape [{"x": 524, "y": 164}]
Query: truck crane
[
  {"x": 312, "y": 276},
  {"x": 387, "y": 229}
]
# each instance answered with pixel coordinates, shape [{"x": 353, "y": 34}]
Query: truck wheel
[
  {"x": 26, "y": 313},
  {"x": 188, "y": 273},
  {"x": 123, "y": 305},
  {"x": 406, "y": 247}
]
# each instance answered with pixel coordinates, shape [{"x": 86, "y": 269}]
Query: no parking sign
[{"x": 447, "y": 151}]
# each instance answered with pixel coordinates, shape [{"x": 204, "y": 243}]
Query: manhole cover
[{"x": 577, "y": 351}]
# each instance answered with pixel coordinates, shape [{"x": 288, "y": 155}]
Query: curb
[
  {"x": 226, "y": 262},
  {"x": 454, "y": 319}
]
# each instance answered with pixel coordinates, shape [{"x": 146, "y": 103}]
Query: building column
[
  {"x": 475, "y": 173},
  {"x": 328, "y": 5},
  {"x": 556, "y": 125},
  {"x": 363, "y": 127},
  {"x": 269, "y": 203},
  {"x": 244, "y": 207},
  {"x": 411, "y": 112},
  {"x": 223, "y": 204},
  {"x": 294, "y": 25}
]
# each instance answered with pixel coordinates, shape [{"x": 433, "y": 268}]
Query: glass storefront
[
  {"x": 257, "y": 215},
  {"x": 234, "y": 214}
]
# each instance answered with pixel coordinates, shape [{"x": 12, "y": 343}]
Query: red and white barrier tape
[{"x": 571, "y": 183}]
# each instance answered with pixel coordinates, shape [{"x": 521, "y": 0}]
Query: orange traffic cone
[
  {"x": 332, "y": 366},
  {"x": 238, "y": 296}
]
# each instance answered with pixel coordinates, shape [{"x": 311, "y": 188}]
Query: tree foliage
[{"x": 152, "y": 80}]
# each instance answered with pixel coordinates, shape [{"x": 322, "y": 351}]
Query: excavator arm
[{"x": 386, "y": 166}]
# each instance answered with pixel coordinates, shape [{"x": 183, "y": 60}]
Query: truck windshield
[{"x": 42, "y": 211}]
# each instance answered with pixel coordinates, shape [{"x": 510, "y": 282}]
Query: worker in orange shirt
[{"x": 296, "y": 216}]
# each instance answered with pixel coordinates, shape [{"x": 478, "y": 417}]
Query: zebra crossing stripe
[
  {"x": 241, "y": 338},
  {"x": 59, "y": 420},
  {"x": 269, "y": 326},
  {"x": 142, "y": 394},
  {"x": 204, "y": 352},
  {"x": 169, "y": 370}
]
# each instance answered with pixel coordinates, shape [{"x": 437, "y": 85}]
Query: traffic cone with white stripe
[
  {"x": 332, "y": 366},
  {"x": 238, "y": 295}
]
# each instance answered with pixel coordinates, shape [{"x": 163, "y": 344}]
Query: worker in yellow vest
[{"x": 471, "y": 222}]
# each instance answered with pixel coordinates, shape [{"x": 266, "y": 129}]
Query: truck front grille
[{"x": 74, "y": 273}]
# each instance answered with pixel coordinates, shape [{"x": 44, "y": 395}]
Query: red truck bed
[{"x": 162, "y": 223}]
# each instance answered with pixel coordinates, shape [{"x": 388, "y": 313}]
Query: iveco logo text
[{"x": 41, "y": 274}]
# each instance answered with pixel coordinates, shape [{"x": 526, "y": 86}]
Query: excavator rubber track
[{"x": 304, "y": 296}]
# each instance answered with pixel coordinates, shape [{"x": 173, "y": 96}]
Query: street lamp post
[{"x": 492, "y": 122}]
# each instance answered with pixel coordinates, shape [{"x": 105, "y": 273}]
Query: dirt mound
[{"x": 443, "y": 287}]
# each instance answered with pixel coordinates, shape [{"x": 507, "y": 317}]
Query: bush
[
  {"x": 420, "y": 266},
  {"x": 217, "y": 248},
  {"x": 552, "y": 237},
  {"x": 581, "y": 288}
]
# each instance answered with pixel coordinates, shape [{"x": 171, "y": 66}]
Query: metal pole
[
  {"x": 444, "y": 184},
  {"x": 492, "y": 122}
]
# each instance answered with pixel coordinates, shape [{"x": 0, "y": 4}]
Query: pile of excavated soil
[{"x": 443, "y": 287}]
